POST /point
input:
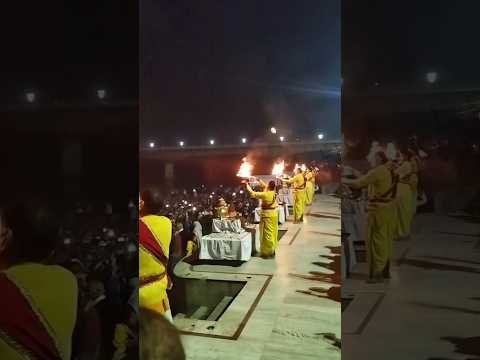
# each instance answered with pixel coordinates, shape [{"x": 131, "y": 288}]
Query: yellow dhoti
[
  {"x": 404, "y": 210},
  {"x": 379, "y": 235},
  {"x": 381, "y": 216},
  {"x": 414, "y": 202},
  {"x": 309, "y": 192},
  {"x": 268, "y": 220},
  {"x": 268, "y": 232},
  {"x": 298, "y": 204}
]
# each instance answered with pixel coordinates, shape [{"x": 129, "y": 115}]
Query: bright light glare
[
  {"x": 212, "y": 142},
  {"x": 273, "y": 130},
  {"x": 181, "y": 143},
  {"x": 432, "y": 77},
  {"x": 30, "y": 97},
  {"x": 282, "y": 138},
  {"x": 244, "y": 140},
  {"x": 151, "y": 144},
  {"x": 101, "y": 93},
  {"x": 320, "y": 136}
]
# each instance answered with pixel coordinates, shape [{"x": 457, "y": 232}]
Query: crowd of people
[
  {"x": 77, "y": 271},
  {"x": 404, "y": 176}
]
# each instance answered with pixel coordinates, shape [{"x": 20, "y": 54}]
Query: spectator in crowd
[
  {"x": 158, "y": 338},
  {"x": 98, "y": 303},
  {"x": 125, "y": 338}
]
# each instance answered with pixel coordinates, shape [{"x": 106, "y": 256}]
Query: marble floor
[
  {"x": 430, "y": 309},
  {"x": 285, "y": 323}
]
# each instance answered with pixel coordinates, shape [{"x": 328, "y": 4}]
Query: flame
[
  {"x": 245, "y": 170},
  {"x": 278, "y": 168}
]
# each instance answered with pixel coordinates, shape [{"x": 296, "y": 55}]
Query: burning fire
[
  {"x": 278, "y": 168},
  {"x": 245, "y": 170}
]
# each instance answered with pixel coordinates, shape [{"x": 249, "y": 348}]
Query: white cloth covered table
[
  {"x": 228, "y": 225},
  {"x": 280, "y": 212},
  {"x": 353, "y": 222},
  {"x": 226, "y": 246},
  {"x": 254, "y": 230}
]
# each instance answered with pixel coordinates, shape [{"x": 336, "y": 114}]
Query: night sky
[
  {"x": 229, "y": 69},
  {"x": 395, "y": 43},
  {"x": 64, "y": 52}
]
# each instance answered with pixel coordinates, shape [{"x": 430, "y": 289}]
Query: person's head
[
  {"x": 158, "y": 338},
  {"x": 271, "y": 185},
  {"x": 29, "y": 232},
  {"x": 298, "y": 170},
  {"x": 95, "y": 289},
  {"x": 380, "y": 158},
  {"x": 152, "y": 201}
]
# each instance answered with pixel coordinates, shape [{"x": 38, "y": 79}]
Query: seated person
[{"x": 159, "y": 338}]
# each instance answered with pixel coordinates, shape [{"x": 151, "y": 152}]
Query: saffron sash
[{"x": 20, "y": 325}]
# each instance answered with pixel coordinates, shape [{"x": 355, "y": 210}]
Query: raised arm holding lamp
[
  {"x": 268, "y": 218},
  {"x": 299, "y": 196}
]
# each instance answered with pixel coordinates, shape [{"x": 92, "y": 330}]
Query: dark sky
[
  {"x": 234, "y": 68},
  {"x": 395, "y": 43},
  {"x": 64, "y": 50}
]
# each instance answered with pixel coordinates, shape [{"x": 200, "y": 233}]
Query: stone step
[
  {"x": 220, "y": 308},
  {"x": 200, "y": 314}
]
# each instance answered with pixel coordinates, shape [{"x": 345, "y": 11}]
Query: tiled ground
[{"x": 433, "y": 295}]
